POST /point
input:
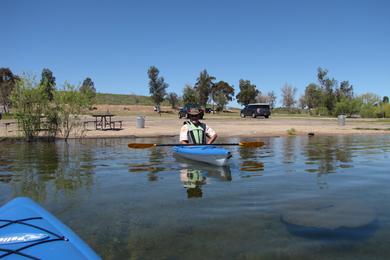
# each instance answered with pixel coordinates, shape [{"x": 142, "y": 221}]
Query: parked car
[
  {"x": 183, "y": 111},
  {"x": 256, "y": 109}
]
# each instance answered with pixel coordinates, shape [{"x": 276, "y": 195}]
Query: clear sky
[{"x": 269, "y": 42}]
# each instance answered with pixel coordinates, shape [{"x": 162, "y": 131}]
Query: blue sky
[{"x": 269, "y": 43}]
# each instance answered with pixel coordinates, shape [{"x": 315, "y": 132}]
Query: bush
[
  {"x": 30, "y": 104},
  {"x": 347, "y": 107},
  {"x": 70, "y": 103},
  {"x": 321, "y": 111},
  {"x": 386, "y": 110}
]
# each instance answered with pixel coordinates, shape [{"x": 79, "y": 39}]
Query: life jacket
[{"x": 196, "y": 134}]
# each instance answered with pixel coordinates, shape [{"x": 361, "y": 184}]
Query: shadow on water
[{"x": 330, "y": 219}]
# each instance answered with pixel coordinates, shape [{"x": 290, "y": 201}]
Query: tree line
[
  {"x": 331, "y": 98},
  {"x": 327, "y": 97},
  {"x": 39, "y": 105},
  {"x": 206, "y": 90}
]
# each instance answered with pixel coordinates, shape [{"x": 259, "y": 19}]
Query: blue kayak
[
  {"x": 204, "y": 153},
  {"x": 27, "y": 231}
]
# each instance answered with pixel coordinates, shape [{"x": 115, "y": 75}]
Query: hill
[{"x": 122, "y": 99}]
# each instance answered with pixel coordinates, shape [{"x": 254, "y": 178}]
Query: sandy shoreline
[{"x": 231, "y": 126}]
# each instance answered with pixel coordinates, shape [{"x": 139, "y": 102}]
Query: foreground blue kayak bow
[{"x": 27, "y": 231}]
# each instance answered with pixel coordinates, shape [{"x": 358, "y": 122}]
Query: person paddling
[{"x": 195, "y": 132}]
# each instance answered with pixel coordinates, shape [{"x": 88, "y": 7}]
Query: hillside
[{"x": 122, "y": 99}]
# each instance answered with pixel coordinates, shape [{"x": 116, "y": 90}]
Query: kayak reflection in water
[
  {"x": 192, "y": 180},
  {"x": 195, "y": 132}
]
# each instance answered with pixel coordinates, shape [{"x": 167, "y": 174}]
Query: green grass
[
  {"x": 368, "y": 128},
  {"x": 7, "y": 116},
  {"x": 122, "y": 99}
]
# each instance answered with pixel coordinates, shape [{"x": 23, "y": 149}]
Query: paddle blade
[
  {"x": 140, "y": 146},
  {"x": 251, "y": 144}
]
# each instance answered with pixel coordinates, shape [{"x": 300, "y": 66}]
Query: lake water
[{"x": 291, "y": 199}]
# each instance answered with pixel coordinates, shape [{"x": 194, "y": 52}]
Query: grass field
[{"x": 122, "y": 99}]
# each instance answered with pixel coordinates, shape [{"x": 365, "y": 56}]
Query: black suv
[
  {"x": 183, "y": 111},
  {"x": 254, "y": 110}
]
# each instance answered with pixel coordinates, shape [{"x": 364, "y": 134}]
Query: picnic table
[{"x": 105, "y": 122}]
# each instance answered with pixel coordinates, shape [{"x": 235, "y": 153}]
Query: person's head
[{"x": 194, "y": 115}]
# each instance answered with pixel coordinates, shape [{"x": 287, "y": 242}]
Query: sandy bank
[{"x": 231, "y": 126}]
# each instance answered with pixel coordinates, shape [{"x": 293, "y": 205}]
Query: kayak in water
[
  {"x": 27, "y": 231},
  {"x": 204, "y": 153}
]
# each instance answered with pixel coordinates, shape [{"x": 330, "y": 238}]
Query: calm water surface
[{"x": 146, "y": 204}]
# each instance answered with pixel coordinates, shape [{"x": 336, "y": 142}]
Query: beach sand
[{"x": 226, "y": 126}]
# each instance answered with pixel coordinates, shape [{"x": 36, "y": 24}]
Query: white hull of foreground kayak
[{"x": 205, "y": 154}]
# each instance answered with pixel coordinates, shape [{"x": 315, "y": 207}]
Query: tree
[
  {"x": 49, "y": 83},
  {"x": 302, "y": 103},
  {"x": 313, "y": 96},
  {"x": 288, "y": 94},
  {"x": 221, "y": 94},
  {"x": 370, "y": 99},
  {"x": 369, "y": 104},
  {"x": 189, "y": 95},
  {"x": 344, "y": 91},
  {"x": 157, "y": 86},
  {"x": 173, "y": 99},
  {"x": 385, "y": 100},
  {"x": 8, "y": 82},
  {"x": 327, "y": 85},
  {"x": 203, "y": 86},
  {"x": 260, "y": 98},
  {"x": 88, "y": 89},
  {"x": 271, "y": 99},
  {"x": 248, "y": 92}
]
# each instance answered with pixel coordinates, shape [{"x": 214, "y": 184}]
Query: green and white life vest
[{"x": 196, "y": 134}]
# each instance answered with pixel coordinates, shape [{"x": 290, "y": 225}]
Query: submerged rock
[{"x": 330, "y": 219}]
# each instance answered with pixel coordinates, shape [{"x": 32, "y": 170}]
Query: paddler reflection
[{"x": 192, "y": 180}]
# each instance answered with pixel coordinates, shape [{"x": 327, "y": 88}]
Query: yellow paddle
[{"x": 244, "y": 144}]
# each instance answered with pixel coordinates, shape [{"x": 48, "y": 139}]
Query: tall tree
[
  {"x": 345, "y": 91},
  {"x": 288, "y": 94},
  {"x": 87, "y": 85},
  {"x": 302, "y": 103},
  {"x": 327, "y": 86},
  {"x": 48, "y": 81},
  {"x": 271, "y": 99},
  {"x": 157, "y": 86},
  {"x": 313, "y": 96},
  {"x": 222, "y": 93},
  {"x": 189, "y": 95},
  {"x": 248, "y": 92},
  {"x": 173, "y": 99},
  {"x": 88, "y": 90},
  {"x": 385, "y": 100},
  {"x": 203, "y": 86},
  {"x": 7, "y": 83},
  {"x": 261, "y": 98}
]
